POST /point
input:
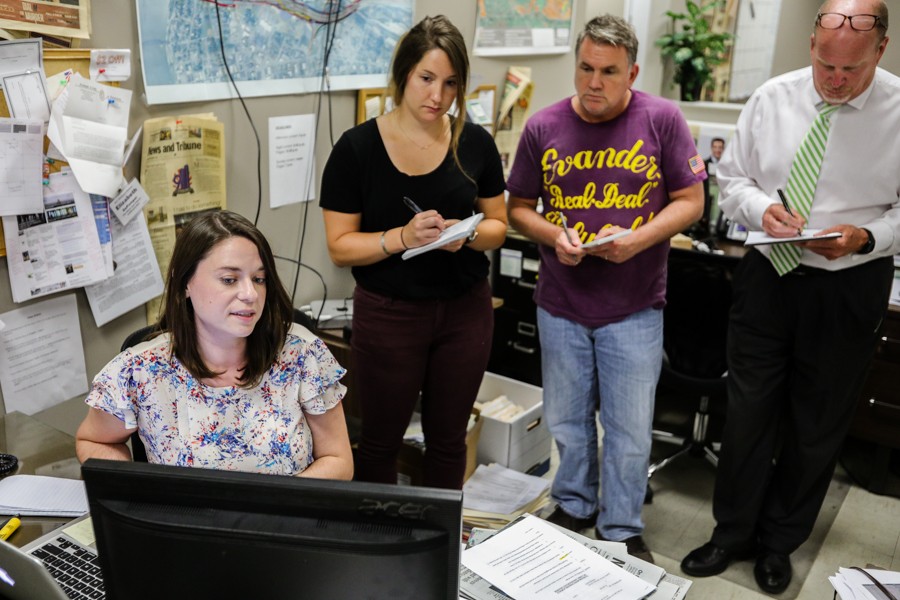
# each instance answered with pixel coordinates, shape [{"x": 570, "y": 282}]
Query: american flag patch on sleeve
[{"x": 696, "y": 163}]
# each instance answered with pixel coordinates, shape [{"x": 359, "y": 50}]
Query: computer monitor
[{"x": 175, "y": 532}]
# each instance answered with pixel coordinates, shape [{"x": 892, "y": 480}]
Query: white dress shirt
[{"x": 859, "y": 181}]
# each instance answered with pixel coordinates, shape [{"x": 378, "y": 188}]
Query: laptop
[{"x": 55, "y": 566}]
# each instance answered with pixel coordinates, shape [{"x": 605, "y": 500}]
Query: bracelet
[
  {"x": 383, "y": 247},
  {"x": 405, "y": 247}
]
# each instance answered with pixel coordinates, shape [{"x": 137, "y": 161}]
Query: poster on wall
[
  {"x": 523, "y": 27},
  {"x": 271, "y": 48}
]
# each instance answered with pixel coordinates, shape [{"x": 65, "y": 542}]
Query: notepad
[
  {"x": 599, "y": 241},
  {"x": 759, "y": 238},
  {"x": 457, "y": 231},
  {"x": 36, "y": 495}
]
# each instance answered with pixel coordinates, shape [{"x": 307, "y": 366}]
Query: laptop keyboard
[{"x": 74, "y": 568}]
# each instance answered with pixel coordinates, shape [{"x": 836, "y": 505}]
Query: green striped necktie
[{"x": 801, "y": 184}]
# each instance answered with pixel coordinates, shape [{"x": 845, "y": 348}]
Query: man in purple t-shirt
[{"x": 606, "y": 160}]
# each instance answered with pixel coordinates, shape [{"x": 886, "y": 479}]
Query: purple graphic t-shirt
[{"x": 619, "y": 172}]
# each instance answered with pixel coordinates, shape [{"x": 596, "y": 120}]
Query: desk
[{"x": 41, "y": 450}]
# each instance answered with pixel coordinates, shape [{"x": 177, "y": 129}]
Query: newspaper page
[
  {"x": 71, "y": 18},
  {"x": 56, "y": 249},
  {"x": 514, "y": 103},
  {"x": 183, "y": 173}
]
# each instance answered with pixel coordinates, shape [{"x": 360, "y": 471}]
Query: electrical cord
[{"x": 249, "y": 118}]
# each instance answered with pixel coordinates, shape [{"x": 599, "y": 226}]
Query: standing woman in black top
[{"x": 423, "y": 324}]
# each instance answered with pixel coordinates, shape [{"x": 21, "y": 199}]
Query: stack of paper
[
  {"x": 35, "y": 495},
  {"x": 494, "y": 495},
  {"x": 500, "y": 408},
  {"x": 863, "y": 584},
  {"x": 530, "y": 559},
  {"x": 637, "y": 578}
]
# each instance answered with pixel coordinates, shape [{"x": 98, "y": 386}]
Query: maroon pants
[{"x": 401, "y": 348}]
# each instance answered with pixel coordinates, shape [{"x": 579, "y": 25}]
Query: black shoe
[
  {"x": 707, "y": 560},
  {"x": 773, "y": 572},
  {"x": 635, "y": 545},
  {"x": 564, "y": 519}
]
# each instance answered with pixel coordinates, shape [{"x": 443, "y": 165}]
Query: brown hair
[
  {"x": 193, "y": 244},
  {"x": 428, "y": 34},
  {"x": 610, "y": 30}
]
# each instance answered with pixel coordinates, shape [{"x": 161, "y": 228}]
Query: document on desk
[
  {"x": 457, "y": 231},
  {"x": 532, "y": 560},
  {"x": 758, "y": 238},
  {"x": 34, "y": 495}
]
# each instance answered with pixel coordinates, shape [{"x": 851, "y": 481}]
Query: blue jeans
[{"x": 621, "y": 362}]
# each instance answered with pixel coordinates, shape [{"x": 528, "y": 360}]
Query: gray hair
[{"x": 612, "y": 31}]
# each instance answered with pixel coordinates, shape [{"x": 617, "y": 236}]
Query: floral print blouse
[{"x": 186, "y": 423}]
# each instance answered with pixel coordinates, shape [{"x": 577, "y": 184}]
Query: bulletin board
[{"x": 56, "y": 60}]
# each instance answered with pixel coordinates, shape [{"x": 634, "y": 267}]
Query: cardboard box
[
  {"x": 411, "y": 459},
  {"x": 522, "y": 444}
]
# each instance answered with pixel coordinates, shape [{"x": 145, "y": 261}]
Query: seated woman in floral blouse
[{"x": 229, "y": 382}]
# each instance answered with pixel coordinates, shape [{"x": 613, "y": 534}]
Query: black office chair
[{"x": 694, "y": 336}]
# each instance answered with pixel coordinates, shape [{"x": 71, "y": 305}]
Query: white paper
[
  {"x": 21, "y": 166},
  {"x": 110, "y": 65},
  {"x": 137, "y": 278},
  {"x": 57, "y": 82},
  {"x": 292, "y": 141},
  {"x": 495, "y": 489},
  {"x": 26, "y": 96},
  {"x": 853, "y": 585},
  {"x": 128, "y": 204},
  {"x": 89, "y": 126},
  {"x": 599, "y": 241},
  {"x": 56, "y": 249},
  {"x": 41, "y": 356},
  {"x": 21, "y": 56},
  {"x": 755, "y": 238},
  {"x": 531, "y": 560},
  {"x": 35, "y": 495},
  {"x": 457, "y": 231}
]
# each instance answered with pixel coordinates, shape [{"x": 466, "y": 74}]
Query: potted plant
[{"x": 694, "y": 49}]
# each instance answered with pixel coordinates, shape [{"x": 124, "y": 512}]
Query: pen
[
  {"x": 411, "y": 205},
  {"x": 784, "y": 203},
  {"x": 565, "y": 226},
  {"x": 10, "y": 527}
]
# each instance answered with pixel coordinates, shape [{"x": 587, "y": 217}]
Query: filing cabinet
[
  {"x": 877, "y": 416},
  {"x": 516, "y": 349}
]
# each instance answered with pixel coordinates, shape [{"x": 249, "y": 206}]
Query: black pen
[
  {"x": 784, "y": 203},
  {"x": 412, "y": 205}
]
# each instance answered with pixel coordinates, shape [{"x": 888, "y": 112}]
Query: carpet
[{"x": 680, "y": 519}]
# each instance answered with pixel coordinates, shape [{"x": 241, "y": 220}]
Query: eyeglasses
[{"x": 832, "y": 20}]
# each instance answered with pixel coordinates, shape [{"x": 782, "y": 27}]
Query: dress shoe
[
  {"x": 635, "y": 546},
  {"x": 707, "y": 560},
  {"x": 567, "y": 521},
  {"x": 772, "y": 572}
]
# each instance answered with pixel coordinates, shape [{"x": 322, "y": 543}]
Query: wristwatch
[{"x": 869, "y": 245}]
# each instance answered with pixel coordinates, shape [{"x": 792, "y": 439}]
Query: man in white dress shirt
[{"x": 799, "y": 344}]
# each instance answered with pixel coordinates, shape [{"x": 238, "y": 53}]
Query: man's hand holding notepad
[
  {"x": 457, "y": 231},
  {"x": 759, "y": 238}
]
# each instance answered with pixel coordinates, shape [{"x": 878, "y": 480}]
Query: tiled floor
[{"x": 855, "y": 527}]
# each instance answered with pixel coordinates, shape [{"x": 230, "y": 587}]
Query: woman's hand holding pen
[{"x": 423, "y": 228}]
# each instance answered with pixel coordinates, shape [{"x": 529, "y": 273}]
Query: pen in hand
[
  {"x": 565, "y": 226},
  {"x": 411, "y": 205},
  {"x": 787, "y": 207}
]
